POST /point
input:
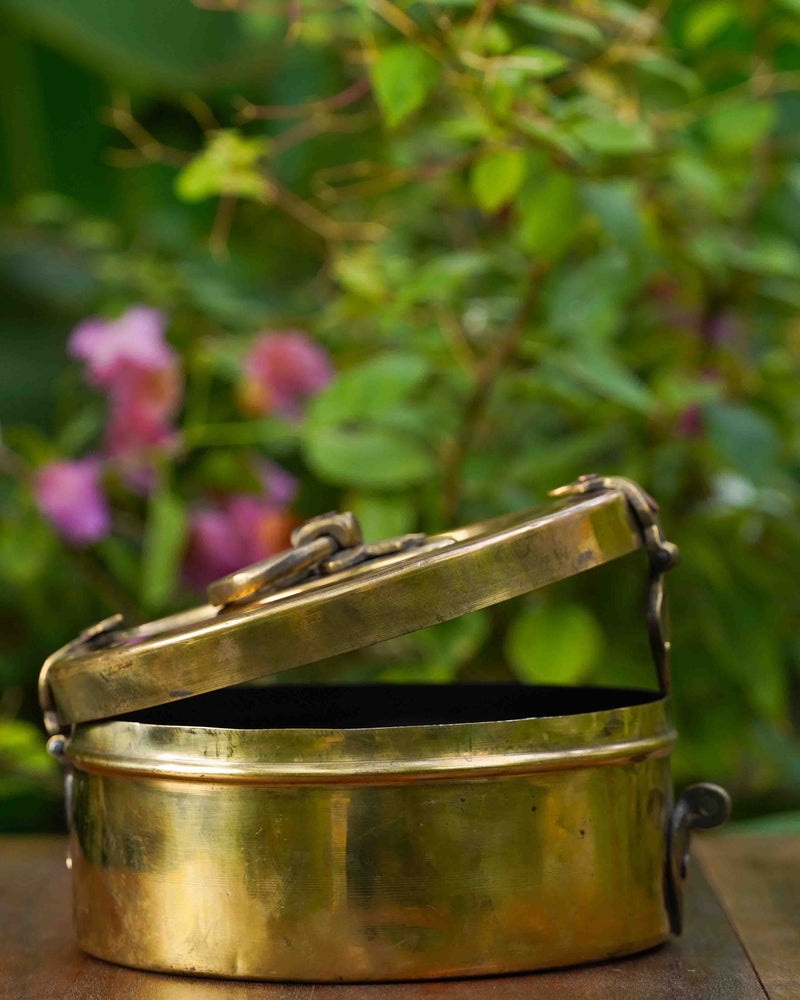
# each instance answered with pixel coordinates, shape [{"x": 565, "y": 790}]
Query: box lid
[{"x": 331, "y": 594}]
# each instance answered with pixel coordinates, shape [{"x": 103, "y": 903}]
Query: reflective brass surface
[
  {"x": 374, "y": 853},
  {"x": 451, "y": 575}
]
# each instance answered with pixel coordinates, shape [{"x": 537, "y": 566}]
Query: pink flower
[
  {"x": 130, "y": 361},
  {"x": 282, "y": 371},
  {"x": 691, "y": 422},
  {"x": 111, "y": 347},
  {"x": 70, "y": 495},
  {"x": 280, "y": 486},
  {"x": 240, "y": 529}
]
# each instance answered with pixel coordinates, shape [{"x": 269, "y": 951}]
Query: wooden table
[{"x": 742, "y": 941}]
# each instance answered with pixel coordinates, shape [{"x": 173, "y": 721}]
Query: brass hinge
[{"x": 662, "y": 555}]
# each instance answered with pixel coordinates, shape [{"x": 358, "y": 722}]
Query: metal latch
[{"x": 323, "y": 545}]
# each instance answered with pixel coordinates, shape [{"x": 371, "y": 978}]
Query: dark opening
[{"x": 375, "y": 705}]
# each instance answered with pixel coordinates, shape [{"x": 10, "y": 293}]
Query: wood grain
[
  {"x": 758, "y": 882},
  {"x": 38, "y": 960}
]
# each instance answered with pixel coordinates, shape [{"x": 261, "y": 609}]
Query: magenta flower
[
  {"x": 282, "y": 371},
  {"x": 240, "y": 529},
  {"x": 131, "y": 362},
  {"x": 690, "y": 422},
  {"x": 71, "y": 496},
  {"x": 111, "y": 347}
]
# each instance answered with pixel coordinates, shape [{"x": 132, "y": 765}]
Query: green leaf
[
  {"x": 671, "y": 71},
  {"x": 403, "y": 76},
  {"x": 497, "y": 177},
  {"x": 745, "y": 439},
  {"x": 368, "y": 457},
  {"x": 370, "y": 389},
  {"x": 557, "y": 22},
  {"x": 770, "y": 255},
  {"x": 739, "y": 128},
  {"x": 435, "y": 655},
  {"x": 549, "y": 215},
  {"x": 382, "y": 516},
  {"x": 553, "y": 645},
  {"x": 359, "y": 272},
  {"x": 227, "y": 166},
  {"x": 614, "y": 138},
  {"x": 22, "y": 750},
  {"x": 616, "y": 205},
  {"x": 147, "y": 44},
  {"x": 532, "y": 60},
  {"x": 164, "y": 540},
  {"x": 610, "y": 379},
  {"x": 705, "y": 21},
  {"x": 701, "y": 182},
  {"x": 585, "y": 301}
]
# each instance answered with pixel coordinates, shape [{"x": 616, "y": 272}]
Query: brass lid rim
[
  {"x": 369, "y": 771},
  {"x": 484, "y": 564}
]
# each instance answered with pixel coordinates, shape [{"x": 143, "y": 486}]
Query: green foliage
[
  {"x": 535, "y": 241},
  {"x": 163, "y": 547},
  {"x": 554, "y": 645},
  {"x": 497, "y": 177},
  {"x": 227, "y": 166},
  {"x": 403, "y": 76}
]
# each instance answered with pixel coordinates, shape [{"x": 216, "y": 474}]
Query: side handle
[{"x": 701, "y": 807}]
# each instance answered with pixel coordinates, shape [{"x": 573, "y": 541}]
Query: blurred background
[{"x": 424, "y": 261}]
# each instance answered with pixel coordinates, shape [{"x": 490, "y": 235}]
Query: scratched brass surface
[
  {"x": 466, "y": 569},
  {"x": 374, "y": 853}
]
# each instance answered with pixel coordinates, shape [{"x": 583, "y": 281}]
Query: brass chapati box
[{"x": 375, "y": 832}]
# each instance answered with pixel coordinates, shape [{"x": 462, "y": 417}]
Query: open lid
[{"x": 331, "y": 594}]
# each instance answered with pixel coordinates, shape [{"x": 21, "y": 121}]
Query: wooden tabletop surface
[{"x": 742, "y": 941}]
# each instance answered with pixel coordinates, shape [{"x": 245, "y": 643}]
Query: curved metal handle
[
  {"x": 662, "y": 555},
  {"x": 701, "y": 807}
]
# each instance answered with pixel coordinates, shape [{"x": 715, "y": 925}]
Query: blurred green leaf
[
  {"x": 611, "y": 380},
  {"x": 436, "y": 654},
  {"x": 359, "y": 272},
  {"x": 22, "y": 750},
  {"x": 770, "y": 255},
  {"x": 368, "y": 457},
  {"x": 705, "y": 21},
  {"x": 403, "y": 76},
  {"x": 616, "y": 205},
  {"x": 740, "y": 128},
  {"x": 535, "y": 61},
  {"x": 146, "y": 45},
  {"x": 549, "y": 215},
  {"x": 745, "y": 439},
  {"x": 227, "y": 166},
  {"x": 164, "y": 540},
  {"x": 557, "y": 22},
  {"x": 383, "y": 516},
  {"x": 701, "y": 181},
  {"x": 553, "y": 645},
  {"x": 670, "y": 70},
  {"x": 497, "y": 177},
  {"x": 370, "y": 389},
  {"x": 615, "y": 138},
  {"x": 585, "y": 301}
]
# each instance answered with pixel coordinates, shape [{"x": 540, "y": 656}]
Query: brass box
[{"x": 373, "y": 832}]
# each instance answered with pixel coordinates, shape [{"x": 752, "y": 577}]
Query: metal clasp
[
  {"x": 321, "y": 546},
  {"x": 662, "y": 555}
]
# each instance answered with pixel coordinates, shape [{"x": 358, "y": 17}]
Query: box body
[{"x": 467, "y": 846}]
